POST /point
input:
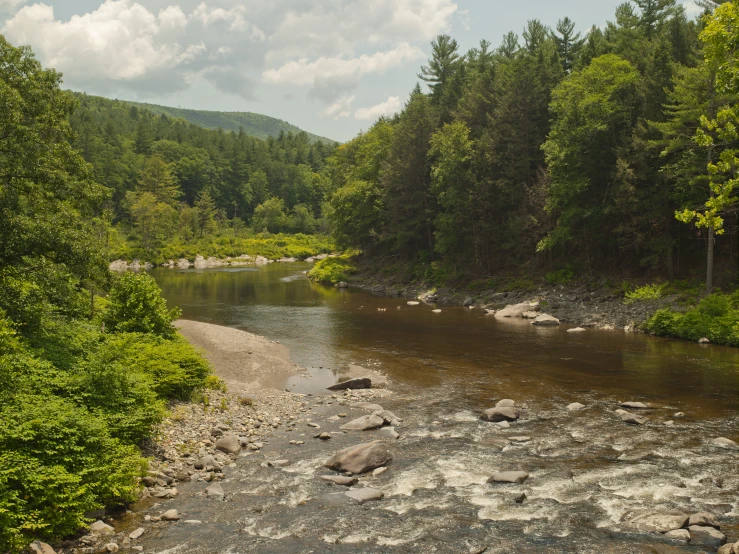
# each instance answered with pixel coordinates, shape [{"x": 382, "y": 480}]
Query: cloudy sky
[{"x": 328, "y": 66}]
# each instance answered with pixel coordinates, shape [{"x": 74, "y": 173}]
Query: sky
[{"x": 331, "y": 67}]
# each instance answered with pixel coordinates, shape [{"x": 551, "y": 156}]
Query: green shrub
[
  {"x": 647, "y": 292},
  {"x": 561, "y": 276},
  {"x": 520, "y": 285},
  {"x": 212, "y": 382},
  {"x": 332, "y": 270},
  {"x": 136, "y": 305}
]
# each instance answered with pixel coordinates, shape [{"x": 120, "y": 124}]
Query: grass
[{"x": 332, "y": 270}]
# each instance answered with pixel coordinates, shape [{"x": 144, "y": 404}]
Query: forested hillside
[
  {"x": 173, "y": 181},
  {"x": 254, "y": 124},
  {"x": 558, "y": 150}
]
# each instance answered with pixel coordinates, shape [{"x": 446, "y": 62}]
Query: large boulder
[
  {"x": 513, "y": 310},
  {"x": 706, "y": 536},
  {"x": 658, "y": 522},
  {"x": 230, "y": 444},
  {"x": 704, "y": 519},
  {"x": 501, "y": 414},
  {"x": 353, "y": 384},
  {"x": 546, "y": 320},
  {"x": 360, "y": 458},
  {"x": 364, "y": 423}
]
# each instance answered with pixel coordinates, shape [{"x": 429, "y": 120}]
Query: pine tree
[{"x": 569, "y": 44}]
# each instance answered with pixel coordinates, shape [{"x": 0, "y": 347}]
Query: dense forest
[
  {"x": 171, "y": 181},
  {"x": 556, "y": 151}
]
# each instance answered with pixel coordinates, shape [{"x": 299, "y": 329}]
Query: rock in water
[
  {"x": 514, "y": 477},
  {"x": 360, "y": 458},
  {"x": 340, "y": 480},
  {"x": 215, "y": 490},
  {"x": 390, "y": 432},
  {"x": 577, "y": 330},
  {"x": 658, "y": 522},
  {"x": 513, "y": 310},
  {"x": 136, "y": 534},
  {"x": 364, "y": 423},
  {"x": 678, "y": 535},
  {"x": 706, "y": 536},
  {"x": 575, "y": 406},
  {"x": 353, "y": 384},
  {"x": 101, "y": 528},
  {"x": 501, "y": 414},
  {"x": 546, "y": 320},
  {"x": 230, "y": 444},
  {"x": 365, "y": 494},
  {"x": 369, "y": 406},
  {"x": 704, "y": 519},
  {"x": 723, "y": 442},
  {"x": 170, "y": 515},
  {"x": 635, "y": 405},
  {"x": 506, "y": 403},
  {"x": 633, "y": 419},
  {"x": 468, "y": 302},
  {"x": 389, "y": 417}
]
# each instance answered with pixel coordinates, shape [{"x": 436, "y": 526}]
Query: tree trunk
[{"x": 709, "y": 261}]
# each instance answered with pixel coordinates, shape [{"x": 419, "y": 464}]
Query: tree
[
  {"x": 154, "y": 220},
  {"x": 569, "y": 44},
  {"x": 270, "y": 216},
  {"x": 205, "y": 209},
  {"x": 156, "y": 178},
  {"x": 442, "y": 72},
  {"x": 654, "y": 13}
]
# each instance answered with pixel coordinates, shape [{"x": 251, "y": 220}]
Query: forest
[{"x": 588, "y": 152}]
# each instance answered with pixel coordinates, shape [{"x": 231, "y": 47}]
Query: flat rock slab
[
  {"x": 682, "y": 535},
  {"x": 546, "y": 320},
  {"x": 364, "y": 423},
  {"x": 633, "y": 419},
  {"x": 366, "y": 494},
  {"x": 658, "y": 522},
  {"x": 501, "y": 414},
  {"x": 723, "y": 442},
  {"x": 369, "y": 406},
  {"x": 353, "y": 384},
  {"x": 512, "y": 477},
  {"x": 575, "y": 406},
  {"x": 635, "y": 405},
  {"x": 513, "y": 310},
  {"x": 704, "y": 519},
  {"x": 706, "y": 536},
  {"x": 340, "y": 480},
  {"x": 360, "y": 458}
]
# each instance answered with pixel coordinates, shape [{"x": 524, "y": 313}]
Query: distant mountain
[{"x": 254, "y": 124}]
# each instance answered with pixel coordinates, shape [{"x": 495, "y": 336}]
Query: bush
[
  {"x": 560, "y": 277},
  {"x": 716, "y": 317},
  {"x": 332, "y": 270},
  {"x": 647, "y": 292},
  {"x": 136, "y": 305}
]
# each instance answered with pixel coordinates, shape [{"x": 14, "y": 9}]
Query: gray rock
[
  {"x": 633, "y": 419},
  {"x": 38, "y": 547},
  {"x": 170, "y": 515},
  {"x": 353, "y": 384},
  {"x": 575, "y": 406},
  {"x": 389, "y": 417},
  {"x": 520, "y": 498},
  {"x": 208, "y": 463},
  {"x": 704, "y": 340},
  {"x": 704, "y": 519},
  {"x": 323, "y": 436},
  {"x": 530, "y": 315},
  {"x": 577, "y": 330},
  {"x": 658, "y": 522},
  {"x": 112, "y": 547},
  {"x": 136, "y": 534},
  {"x": 364, "y": 423},
  {"x": 101, "y": 528},
  {"x": 519, "y": 439},
  {"x": 365, "y": 494},
  {"x": 514, "y": 477},
  {"x": 723, "y": 442},
  {"x": 369, "y": 406},
  {"x": 725, "y": 549},
  {"x": 546, "y": 320},
  {"x": 215, "y": 490},
  {"x": 229, "y": 444},
  {"x": 389, "y": 432},
  {"x": 340, "y": 480},
  {"x": 360, "y": 458},
  {"x": 513, "y": 310},
  {"x": 635, "y": 405},
  {"x": 501, "y": 414},
  {"x": 706, "y": 536},
  {"x": 678, "y": 535},
  {"x": 506, "y": 403},
  {"x": 468, "y": 302}
]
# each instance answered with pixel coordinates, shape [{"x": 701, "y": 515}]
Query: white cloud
[
  {"x": 172, "y": 17},
  {"x": 692, "y": 9},
  {"x": 388, "y": 107},
  {"x": 9, "y": 4},
  {"x": 303, "y": 71},
  {"x": 339, "y": 109}
]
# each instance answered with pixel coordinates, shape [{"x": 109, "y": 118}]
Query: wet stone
[
  {"x": 682, "y": 535},
  {"x": 706, "y": 536},
  {"x": 704, "y": 519},
  {"x": 364, "y": 423},
  {"x": 136, "y": 534},
  {"x": 658, "y": 522},
  {"x": 340, "y": 480},
  {"x": 215, "y": 490},
  {"x": 723, "y": 442},
  {"x": 512, "y": 477},
  {"x": 506, "y": 403},
  {"x": 361, "y": 458},
  {"x": 170, "y": 515},
  {"x": 366, "y": 494},
  {"x": 635, "y": 405},
  {"x": 501, "y": 414},
  {"x": 575, "y": 406}
]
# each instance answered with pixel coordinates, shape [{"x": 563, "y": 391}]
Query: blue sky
[{"x": 329, "y": 66}]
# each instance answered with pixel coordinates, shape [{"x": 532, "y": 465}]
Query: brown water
[{"x": 587, "y": 468}]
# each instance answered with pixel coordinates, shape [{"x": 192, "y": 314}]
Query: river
[{"x": 588, "y": 468}]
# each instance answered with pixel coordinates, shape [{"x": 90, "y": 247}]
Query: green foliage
[
  {"x": 331, "y": 271},
  {"x": 646, "y": 292},
  {"x": 560, "y": 276},
  {"x": 212, "y": 382},
  {"x": 136, "y": 306},
  {"x": 716, "y": 317}
]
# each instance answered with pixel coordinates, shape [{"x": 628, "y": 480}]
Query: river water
[{"x": 588, "y": 469}]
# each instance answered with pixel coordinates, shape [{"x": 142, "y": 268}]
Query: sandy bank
[{"x": 245, "y": 361}]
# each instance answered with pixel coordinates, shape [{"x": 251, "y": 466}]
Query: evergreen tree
[{"x": 569, "y": 44}]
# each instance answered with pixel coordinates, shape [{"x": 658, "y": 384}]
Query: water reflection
[{"x": 471, "y": 355}]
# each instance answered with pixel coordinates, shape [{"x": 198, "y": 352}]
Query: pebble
[{"x": 170, "y": 515}]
